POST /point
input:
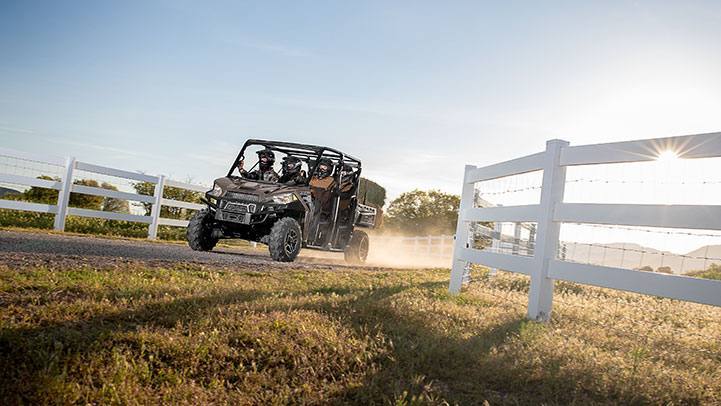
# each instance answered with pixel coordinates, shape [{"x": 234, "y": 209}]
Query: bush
[
  {"x": 713, "y": 272},
  {"x": 84, "y": 225},
  {"x": 26, "y": 219}
]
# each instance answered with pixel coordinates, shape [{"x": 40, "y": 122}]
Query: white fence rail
[
  {"x": 65, "y": 186},
  {"x": 545, "y": 266}
]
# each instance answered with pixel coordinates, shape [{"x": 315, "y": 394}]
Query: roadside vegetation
[
  {"x": 188, "y": 334},
  {"x": 84, "y": 225},
  {"x": 713, "y": 272}
]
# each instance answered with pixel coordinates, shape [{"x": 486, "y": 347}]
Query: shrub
[
  {"x": 84, "y": 225},
  {"x": 713, "y": 272}
]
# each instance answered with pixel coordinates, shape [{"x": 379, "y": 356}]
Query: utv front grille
[
  {"x": 237, "y": 207},
  {"x": 242, "y": 196},
  {"x": 235, "y": 217}
]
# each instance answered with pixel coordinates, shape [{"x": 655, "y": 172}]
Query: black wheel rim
[
  {"x": 363, "y": 249},
  {"x": 291, "y": 242}
]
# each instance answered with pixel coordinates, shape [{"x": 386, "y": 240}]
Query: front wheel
[
  {"x": 199, "y": 232},
  {"x": 357, "y": 250},
  {"x": 285, "y": 239}
]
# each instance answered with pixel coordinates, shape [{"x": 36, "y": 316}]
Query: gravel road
[{"x": 24, "y": 248}]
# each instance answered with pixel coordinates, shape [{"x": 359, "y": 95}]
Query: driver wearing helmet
[
  {"x": 291, "y": 173},
  {"x": 265, "y": 172}
]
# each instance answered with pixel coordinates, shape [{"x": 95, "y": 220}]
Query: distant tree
[
  {"x": 174, "y": 193},
  {"x": 39, "y": 194},
  {"x": 84, "y": 201},
  {"x": 114, "y": 204},
  {"x": 423, "y": 213}
]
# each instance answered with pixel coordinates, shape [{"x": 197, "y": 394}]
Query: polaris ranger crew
[{"x": 315, "y": 209}]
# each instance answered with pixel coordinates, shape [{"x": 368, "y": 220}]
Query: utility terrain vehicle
[{"x": 287, "y": 216}]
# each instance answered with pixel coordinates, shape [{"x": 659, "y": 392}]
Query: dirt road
[{"x": 28, "y": 247}]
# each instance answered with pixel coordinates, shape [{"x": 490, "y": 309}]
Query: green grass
[{"x": 194, "y": 335}]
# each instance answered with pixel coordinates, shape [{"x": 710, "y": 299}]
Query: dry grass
[{"x": 202, "y": 335}]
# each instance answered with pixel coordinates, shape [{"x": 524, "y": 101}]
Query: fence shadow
[
  {"x": 422, "y": 360},
  {"x": 463, "y": 370}
]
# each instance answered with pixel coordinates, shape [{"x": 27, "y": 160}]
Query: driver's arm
[{"x": 244, "y": 173}]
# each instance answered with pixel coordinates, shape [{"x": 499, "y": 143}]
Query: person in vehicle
[
  {"x": 291, "y": 172},
  {"x": 321, "y": 184},
  {"x": 265, "y": 171},
  {"x": 347, "y": 182},
  {"x": 321, "y": 189}
]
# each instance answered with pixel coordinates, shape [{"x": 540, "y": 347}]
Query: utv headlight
[
  {"x": 284, "y": 198},
  {"x": 217, "y": 191}
]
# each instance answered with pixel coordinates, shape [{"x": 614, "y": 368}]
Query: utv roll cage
[{"x": 308, "y": 153}]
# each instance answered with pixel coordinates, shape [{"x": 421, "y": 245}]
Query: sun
[{"x": 667, "y": 156}]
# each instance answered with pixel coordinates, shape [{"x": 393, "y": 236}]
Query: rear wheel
[
  {"x": 285, "y": 240},
  {"x": 357, "y": 250},
  {"x": 199, "y": 231}
]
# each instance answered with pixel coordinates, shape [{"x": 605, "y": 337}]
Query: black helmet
[
  {"x": 325, "y": 168},
  {"x": 266, "y": 159},
  {"x": 291, "y": 165}
]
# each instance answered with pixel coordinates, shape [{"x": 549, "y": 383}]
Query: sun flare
[{"x": 667, "y": 155}]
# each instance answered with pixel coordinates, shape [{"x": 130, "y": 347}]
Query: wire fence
[{"x": 624, "y": 246}]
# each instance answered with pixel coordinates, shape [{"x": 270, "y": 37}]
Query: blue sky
[{"x": 417, "y": 89}]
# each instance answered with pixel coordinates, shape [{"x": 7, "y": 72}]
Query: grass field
[{"x": 131, "y": 334}]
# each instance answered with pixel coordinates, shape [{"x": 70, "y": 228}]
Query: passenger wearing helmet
[
  {"x": 321, "y": 189},
  {"x": 322, "y": 183},
  {"x": 265, "y": 172},
  {"x": 291, "y": 172}
]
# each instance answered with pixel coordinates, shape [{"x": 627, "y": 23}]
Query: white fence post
[
  {"x": 540, "y": 300},
  {"x": 64, "y": 195},
  {"x": 461, "y": 242},
  {"x": 155, "y": 210}
]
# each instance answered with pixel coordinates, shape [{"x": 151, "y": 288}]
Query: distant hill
[
  {"x": 629, "y": 255},
  {"x": 713, "y": 251},
  {"x": 4, "y": 191}
]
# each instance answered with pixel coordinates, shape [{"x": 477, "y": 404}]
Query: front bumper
[{"x": 239, "y": 212}]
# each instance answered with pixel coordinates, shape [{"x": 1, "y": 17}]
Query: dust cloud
[{"x": 393, "y": 252}]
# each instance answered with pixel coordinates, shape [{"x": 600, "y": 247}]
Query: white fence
[
  {"x": 545, "y": 266},
  {"x": 65, "y": 186}
]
